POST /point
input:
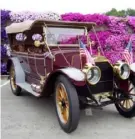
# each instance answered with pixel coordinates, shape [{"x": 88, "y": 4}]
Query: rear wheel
[
  {"x": 15, "y": 88},
  {"x": 66, "y": 104},
  {"x": 127, "y": 107}
]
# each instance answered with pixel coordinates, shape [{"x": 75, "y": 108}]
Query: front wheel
[
  {"x": 66, "y": 104},
  {"x": 126, "y": 107}
]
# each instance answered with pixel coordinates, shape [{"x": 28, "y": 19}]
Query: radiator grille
[{"x": 106, "y": 71}]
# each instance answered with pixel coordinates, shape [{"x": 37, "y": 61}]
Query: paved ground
[
  {"x": 26, "y": 117},
  {"x": 3, "y": 82}
]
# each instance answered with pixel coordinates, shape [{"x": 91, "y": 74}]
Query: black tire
[
  {"x": 74, "y": 111},
  {"x": 127, "y": 113},
  {"x": 15, "y": 90}
]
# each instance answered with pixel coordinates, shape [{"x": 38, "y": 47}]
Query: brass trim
[
  {"x": 117, "y": 69},
  {"x": 43, "y": 78},
  {"x": 88, "y": 67},
  {"x": 100, "y": 59}
]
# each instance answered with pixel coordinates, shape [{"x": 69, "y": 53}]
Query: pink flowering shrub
[
  {"x": 27, "y": 15},
  {"x": 131, "y": 22},
  {"x": 114, "y": 39},
  {"x": 113, "y": 32}
]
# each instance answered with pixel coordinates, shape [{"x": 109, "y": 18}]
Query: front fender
[
  {"x": 132, "y": 78},
  {"x": 132, "y": 67},
  {"x": 76, "y": 76},
  {"x": 73, "y": 73}
]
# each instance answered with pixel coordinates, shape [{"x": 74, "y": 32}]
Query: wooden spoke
[
  {"x": 59, "y": 98},
  {"x": 12, "y": 74},
  {"x": 127, "y": 104},
  {"x": 131, "y": 103},
  {"x": 128, "y": 101},
  {"x": 62, "y": 103},
  {"x": 65, "y": 114},
  {"x": 124, "y": 104},
  {"x": 67, "y": 104}
]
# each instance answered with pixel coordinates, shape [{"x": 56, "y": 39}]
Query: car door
[{"x": 37, "y": 65}]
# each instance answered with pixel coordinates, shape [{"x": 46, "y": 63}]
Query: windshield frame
[{"x": 63, "y": 26}]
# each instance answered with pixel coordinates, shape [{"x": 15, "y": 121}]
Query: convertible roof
[{"x": 28, "y": 24}]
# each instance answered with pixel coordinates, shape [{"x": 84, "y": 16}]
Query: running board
[
  {"x": 28, "y": 88},
  {"x": 103, "y": 104}
]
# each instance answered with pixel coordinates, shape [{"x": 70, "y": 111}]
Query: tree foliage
[{"x": 121, "y": 13}]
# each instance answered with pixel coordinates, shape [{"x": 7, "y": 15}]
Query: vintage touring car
[{"x": 43, "y": 65}]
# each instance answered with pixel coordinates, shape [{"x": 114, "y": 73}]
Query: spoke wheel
[
  {"x": 62, "y": 103},
  {"x": 15, "y": 88},
  {"x": 126, "y": 107},
  {"x": 66, "y": 104}
]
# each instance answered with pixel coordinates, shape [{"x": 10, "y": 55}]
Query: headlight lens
[
  {"x": 93, "y": 75},
  {"x": 125, "y": 71},
  {"x": 122, "y": 69}
]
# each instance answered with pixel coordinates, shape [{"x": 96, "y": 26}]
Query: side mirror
[{"x": 38, "y": 43}]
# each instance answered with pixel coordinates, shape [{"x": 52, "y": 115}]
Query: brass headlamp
[
  {"x": 122, "y": 69},
  {"x": 93, "y": 74}
]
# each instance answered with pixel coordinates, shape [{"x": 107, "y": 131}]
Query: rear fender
[{"x": 19, "y": 72}]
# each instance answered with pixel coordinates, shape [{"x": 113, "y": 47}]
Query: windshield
[{"x": 62, "y": 35}]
